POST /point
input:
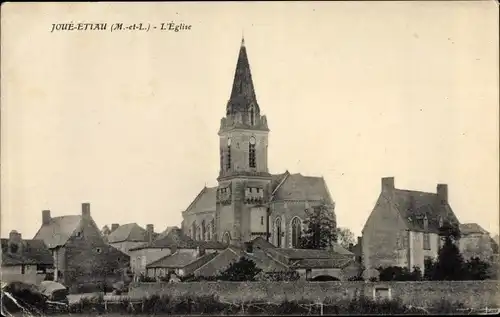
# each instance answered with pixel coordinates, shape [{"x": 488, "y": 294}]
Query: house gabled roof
[
  {"x": 180, "y": 260},
  {"x": 175, "y": 238},
  {"x": 335, "y": 262},
  {"x": 58, "y": 231},
  {"x": 262, "y": 243},
  {"x": 413, "y": 206},
  {"x": 129, "y": 232},
  {"x": 471, "y": 228},
  {"x": 205, "y": 200},
  {"x": 300, "y": 187},
  {"x": 232, "y": 254},
  {"x": 301, "y": 254},
  {"x": 31, "y": 252}
]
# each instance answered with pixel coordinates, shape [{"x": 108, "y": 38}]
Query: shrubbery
[{"x": 211, "y": 305}]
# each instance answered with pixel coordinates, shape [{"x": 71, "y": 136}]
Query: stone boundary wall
[{"x": 473, "y": 294}]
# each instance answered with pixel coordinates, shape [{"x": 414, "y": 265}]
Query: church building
[{"x": 249, "y": 201}]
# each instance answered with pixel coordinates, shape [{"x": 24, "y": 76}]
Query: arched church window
[
  {"x": 203, "y": 230},
  {"x": 221, "y": 159},
  {"x": 226, "y": 238},
  {"x": 252, "y": 116},
  {"x": 296, "y": 232},
  {"x": 277, "y": 232},
  {"x": 193, "y": 230},
  {"x": 251, "y": 152},
  {"x": 228, "y": 162}
]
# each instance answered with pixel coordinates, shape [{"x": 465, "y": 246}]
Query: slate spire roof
[{"x": 243, "y": 91}]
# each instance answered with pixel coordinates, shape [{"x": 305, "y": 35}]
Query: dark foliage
[
  {"x": 281, "y": 276},
  {"x": 211, "y": 305},
  {"x": 146, "y": 279},
  {"x": 396, "y": 273},
  {"x": 320, "y": 228},
  {"x": 242, "y": 270},
  {"x": 92, "y": 287},
  {"x": 476, "y": 269}
]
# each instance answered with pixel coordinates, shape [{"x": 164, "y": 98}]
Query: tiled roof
[
  {"x": 205, "y": 200},
  {"x": 297, "y": 254},
  {"x": 232, "y": 254},
  {"x": 276, "y": 180},
  {"x": 496, "y": 239},
  {"x": 31, "y": 252},
  {"x": 262, "y": 243},
  {"x": 413, "y": 205},
  {"x": 469, "y": 228},
  {"x": 299, "y": 187},
  {"x": 337, "y": 248},
  {"x": 181, "y": 260},
  {"x": 57, "y": 232},
  {"x": 175, "y": 238},
  {"x": 218, "y": 264},
  {"x": 166, "y": 231},
  {"x": 129, "y": 232},
  {"x": 336, "y": 262},
  {"x": 215, "y": 245},
  {"x": 262, "y": 260}
]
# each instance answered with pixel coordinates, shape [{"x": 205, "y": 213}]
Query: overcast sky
[{"x": 352, "y": 92}]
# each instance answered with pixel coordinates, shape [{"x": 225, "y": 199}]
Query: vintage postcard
[{"x": 250, "y": 158}]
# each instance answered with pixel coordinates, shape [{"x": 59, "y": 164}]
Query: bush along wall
[{"x": 211, "y": 305}]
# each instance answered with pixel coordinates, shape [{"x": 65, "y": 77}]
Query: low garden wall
[{"x": 472, "y": 294}]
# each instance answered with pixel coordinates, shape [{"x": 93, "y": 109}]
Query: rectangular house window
[{"x": 427, "y": 241}]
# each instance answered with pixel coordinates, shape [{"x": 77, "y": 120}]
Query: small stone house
[
  {"x": 182, "y": 262},
  {"x": 78, "y": 249},
  {"x": 129, "y": 236},
  {"x": 174, "y": 240},
  {"x": 475, "y": 242},
  {"x": 310, "y": 264},
  {"x": 403, "y": 227},
  {"x": 23, "y": 260}
]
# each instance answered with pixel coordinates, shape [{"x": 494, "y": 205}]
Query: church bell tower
[{"x": 243, "y": 177}]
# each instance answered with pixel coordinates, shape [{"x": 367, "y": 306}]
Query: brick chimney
[
  {"x": 150, "y": 232},
  {"x": 442, "y": 193},
  {"x": 86, "y": 210},
  {"x": 249, "y": 247},
  {"x": 15, "y": 242},
  {"x": 200, "y": 250},
  {"x": 387, "y": 184},
  {"x": 46, "y": 217},
  {"x": 114, "y": 226}
]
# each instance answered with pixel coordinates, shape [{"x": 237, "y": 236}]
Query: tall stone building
[{"x": 249, "y": 201}]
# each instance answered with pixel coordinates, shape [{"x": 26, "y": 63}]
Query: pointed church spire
[{"x": 243, "y": 92}]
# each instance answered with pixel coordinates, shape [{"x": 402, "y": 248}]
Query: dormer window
[
  {"x": 98, "y": 250},
  {"x": 78, "y": 234}
]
